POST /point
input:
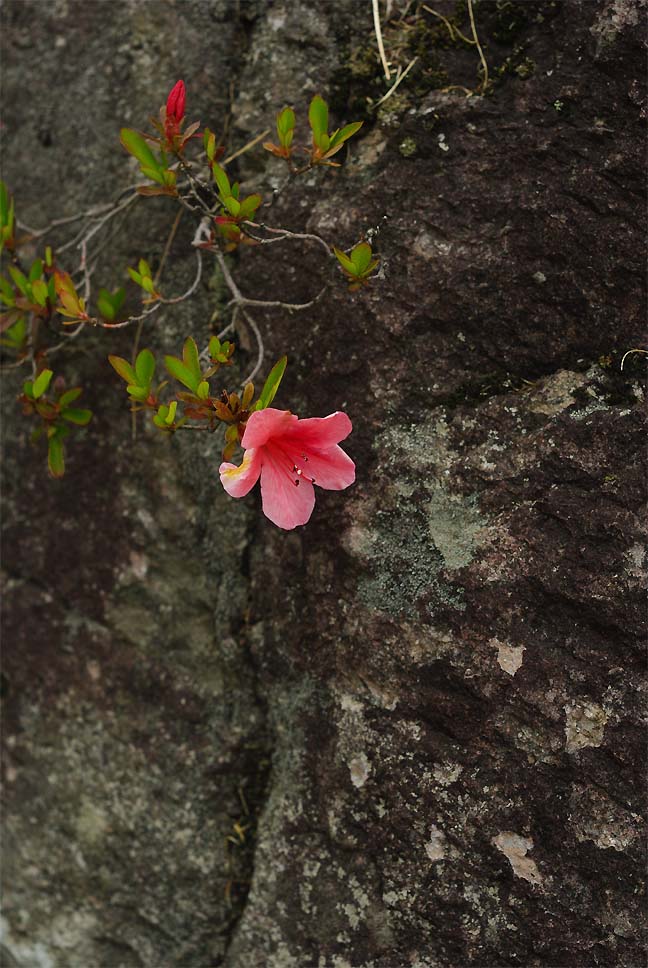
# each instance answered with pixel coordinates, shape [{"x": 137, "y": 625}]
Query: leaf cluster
[
  {"x": 155, "y": 168},
  {"x": 138, "y": 378},
  {"x": 109, "y": 304},
  {"x": 234, "y": 209},
  {"x": 55, "y": 416},
  {"x": 31, "y": 293},
  {"x": 326, "y": 145},
  {"x": 70, "y": 303},
  {"x": 323, "y": 144},
  {"x": 358, "y": 265},
  {"x": 143, "y": 277}
]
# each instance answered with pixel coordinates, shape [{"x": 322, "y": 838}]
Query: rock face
[{"x": 410, "y": 733}]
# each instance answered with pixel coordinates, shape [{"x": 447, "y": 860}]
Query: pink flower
[
  {"x": 175, "y": 106},
  {"x": 290, "y": 455}
]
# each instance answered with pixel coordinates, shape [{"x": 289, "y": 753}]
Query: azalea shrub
[{"x": 51, "y": 302}]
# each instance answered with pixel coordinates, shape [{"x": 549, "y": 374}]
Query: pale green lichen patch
[
  {"x": 457, "y": 527},
  {"x": 423, "y": 530}
]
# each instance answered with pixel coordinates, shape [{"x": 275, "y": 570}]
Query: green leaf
[
  {"x": 135, "y": 276},
  {"x": 181, "y": 373},
  {"x": 286, "y": 127},
  {"x": 140, "y": 393},
  {"x": 147, "y": 285},
  {"x": 16, "y": 335},
  {"x": 4, "y": 203},
  {"x": 40, "y": 291},
  {"x": 124, "y": 369},
  {"x": 69, "y": 397},
  {"x": 249, "y": 206},
  {"x": 145, "y": 368},
  {"x": 202, "y": 390},
  {"x": 105, "y": 307},
  {"x": 19, "y": 279},
  {"x": 109, "y": 304},
  {"x": 344, "y": 261},
  {"x": 41, "y": 383},
  {"x": 118, "y": 298},
  {"x": 6, "y": 291},
  {"x": 209, "y": 141},
  {"x": 80, "y": 417},
  {"x": 318, "y": 118},
  {"x": 170, "y": 417},
  {"x": 144, "y": 268},
  {"x": 190, "y": 357},
  {"x": 55, "y": 459},
  {"x": 361, "y": 257},
  {"x": 36, "y": 270},
  {"x": 339, "y": 137},
  {"x": 155, "y": 174},
  {"x": 28, "y": 389},
  {"x": 222, "y": 181},
  {"x": 137, "y": 146},
  {"x": 214, "y": 346},
  {"x": 232, "y": 206},
  {"x": 271, "y": 385}
]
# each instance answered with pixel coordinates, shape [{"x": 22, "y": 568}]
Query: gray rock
[{"x": 409, "y": 733}]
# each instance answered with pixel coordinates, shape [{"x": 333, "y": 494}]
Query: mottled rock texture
[{"x": 423, "y": 710}]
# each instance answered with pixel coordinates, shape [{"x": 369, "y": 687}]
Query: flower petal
[
  {"x": 264, "y": 424},
  {"x": 238, "y": 481},
  {"x": 331, "y": 469},
  {"x": 320, "y": 432},
  {"x": 285, "y": 503}
]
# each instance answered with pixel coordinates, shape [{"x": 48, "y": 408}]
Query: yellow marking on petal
[{"x": 235, "y": 471}]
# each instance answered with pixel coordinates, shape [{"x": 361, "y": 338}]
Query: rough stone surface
[{"x": 411, "y": 733}]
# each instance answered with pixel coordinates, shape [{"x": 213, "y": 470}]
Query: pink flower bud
[{"x": 175, "y": 106}]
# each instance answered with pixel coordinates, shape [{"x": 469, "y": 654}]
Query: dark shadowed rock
[{"x": 419, "y": 720}]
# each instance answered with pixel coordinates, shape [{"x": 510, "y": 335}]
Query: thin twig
[
  {"x": 285, "y": 234},
  {"x": 399, "y": 79},
  {"x": 159, "y": 303},
  {"x": 481, "y": 52},
  {"x": 165, "y": 253},
  {"x": 381, "y": 46},
  {"x": 275, "y": 303},
  {"x": 192, "y": 288},
  {"x": 451, "y": 28},
  {"x": 247, "y": 147},
  {"x": 115, "y": 211},
  {"x": 227, "y": 276},
  {"x": 131, "y": 319},
  {"x": 239, "y": 299},
  {"x": 260, "y": 354},
  {"x": 629, "y": 353},
  {"x": 14, "y": 365},
  {"x": 90, "y": 213}
]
